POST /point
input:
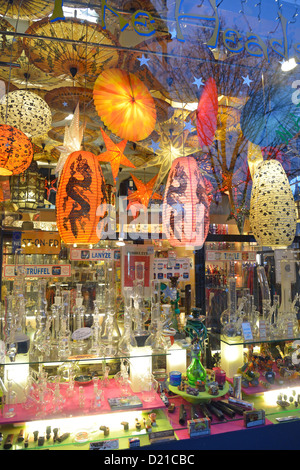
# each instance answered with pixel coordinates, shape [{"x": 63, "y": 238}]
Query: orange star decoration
[
  {"x": 143, "y": 193},
  {"x": 114, "y": 155}
]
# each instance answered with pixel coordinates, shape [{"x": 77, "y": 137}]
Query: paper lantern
[
  {"x": 207, "y": 113},
  {"x": 273, "y": 216},
  {"x": 124, "y": 104},
  {"x": 26, "y": 111},
  {"x": 16, "y": 151},
  {"x": 80, "y": 199},
  {"x": 185, "y": 211}
]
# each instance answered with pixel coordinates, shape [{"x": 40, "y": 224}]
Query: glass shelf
[{"x": 241, "y": 341}]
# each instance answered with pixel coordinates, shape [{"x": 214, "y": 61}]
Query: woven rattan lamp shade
[{"x": 273, "y": 217}]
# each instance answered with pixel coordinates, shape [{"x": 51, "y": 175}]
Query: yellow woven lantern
[{"x": 273, "y": 217}]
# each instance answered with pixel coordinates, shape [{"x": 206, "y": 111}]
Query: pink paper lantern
[{"x": 185, "y": 210}]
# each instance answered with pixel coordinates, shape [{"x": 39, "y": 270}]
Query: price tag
[
  {"x": 262, "y": 329},
  {"x": 247, "y": 331}
]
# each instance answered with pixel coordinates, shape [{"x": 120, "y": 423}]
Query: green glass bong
[{"x": 198, "y": 334}]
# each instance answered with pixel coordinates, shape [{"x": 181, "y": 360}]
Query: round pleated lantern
[
  {"x": 273, "y": 217},
  {"x": 26, "y": 111},
  {"x": 16, "y": 151},
  {"x": 185, "y": 209},
  {"x": 81, "y": 199}
]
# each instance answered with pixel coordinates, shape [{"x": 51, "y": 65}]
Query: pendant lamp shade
[
  {"x": 273, "y": 217},
  {"x": 16, "y": 151},
  {"x": 81, "y": 199},
  {"x": 185, "y": 210},
  {"x": 26, "y": 111}
]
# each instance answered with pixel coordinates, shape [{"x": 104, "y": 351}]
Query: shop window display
[{"x": 150, "y": 292}]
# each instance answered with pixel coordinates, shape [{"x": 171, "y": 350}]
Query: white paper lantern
[
  {"x": 26, "y": 111},
  {"x": 273, "y": 217}
]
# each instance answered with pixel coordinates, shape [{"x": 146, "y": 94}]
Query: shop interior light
[{"x": 288, "y": 65}]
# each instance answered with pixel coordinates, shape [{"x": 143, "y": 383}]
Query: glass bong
[
  {"x": 127, "y": 341},
  {"x": 157, "y": 341},
  {"x": 56, "y": 313},
  {"x": 198, "y": 334},
  {"x": 79, "y": 345},
  {"x": 41, "y": 319},
  {"x": 230, "y": 320},
  {"x": 96, "y": 348},
  {"x": 110, "y": 333},
  {"x": 140, "y": 313}
]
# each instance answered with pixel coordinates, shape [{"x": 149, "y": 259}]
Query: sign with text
[
  {"x": 165, "y": 268},
  {"x": 215, "y": 255},
  {"x": 94, "y": 254},
  {"x": 39, "y": 242},
  {"x": 38, "y": 270}
]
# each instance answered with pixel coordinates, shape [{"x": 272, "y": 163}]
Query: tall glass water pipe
[
  {"x": 110, "y": 332},
  {"x": 157, "y": 341},
  {"x": 79, "y": 345},
  {"x": 10, "y": 328},
  {"x": 230, "y": 321},
  {"x": 96, "y": 348},
  {"x": 174, "y": 302},
  {"x": 140, "y": 313},
  {"x": 56, "y": 314},
  {"x": 127, "y": 340}
]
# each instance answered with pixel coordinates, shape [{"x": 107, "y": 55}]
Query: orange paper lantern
[
  {"x": 185, "y": 210},
  {"x": 16, "y": 151},
  {"x": 81, "y": 199}
]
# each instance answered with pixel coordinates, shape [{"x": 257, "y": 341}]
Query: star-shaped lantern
[
  {"x": 144, "y": 192},
  {"x": 114, "y": 155},
  {"x": 72, "y": 141}
]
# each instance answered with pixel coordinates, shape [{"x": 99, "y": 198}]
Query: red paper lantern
[
  {"x": 185, "y": 210},
  {"x": 81, "y": 199},
  {"x": 16, "y": 151}
]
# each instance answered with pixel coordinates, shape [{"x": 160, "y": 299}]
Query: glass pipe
[
  {"x": 230, "y": 321},
  {"x": 106, "y": 370},
  {"x": 58, "y": 399},
  {"x": 175, "y": 296},
  {"x": 155, "y": 305},
  {"x": 71, "y": 385},
  {"x": 64, "y": 340},
  {"x": 167, "y": 315},
  {"x": 96, "y": 348},
  {"x": 10, "y": 329},
  {"x": 122, "y": 378},
  {"x": 127, "y": 340},
  {"x": 41, "y": 312},
  {"x": 66, "y": 307},
  {"x": 9, "y": 406},
  {"x": 157, "y": 341},
  {"x": 111, "y": 334},
  {"x": 140, "y": 315},
  {"x": 98, "y": 394},
  {"x": 56, "y": 313},
  {"x": 80, "y": 345}
]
